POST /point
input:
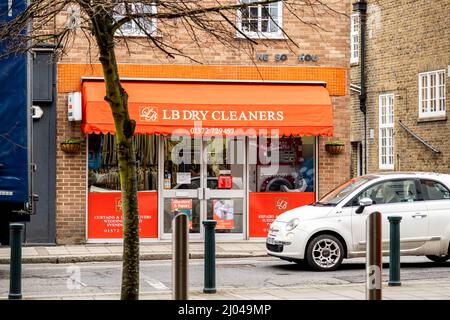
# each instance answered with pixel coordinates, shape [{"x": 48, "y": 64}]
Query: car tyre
[
  {"x": 325, "y": 253},
  {"x": 438, "y": 258}
]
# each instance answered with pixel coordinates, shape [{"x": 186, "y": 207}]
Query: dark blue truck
[{"x": 15, "y": 121}]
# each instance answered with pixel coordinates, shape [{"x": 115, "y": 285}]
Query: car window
[
  {"x": 337, "y": 195},
  {"x": 394, "y": 191},
  {"x": 435, "y": 190}
]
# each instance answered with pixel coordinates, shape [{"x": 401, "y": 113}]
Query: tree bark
[{"x": 118, "y": 101}]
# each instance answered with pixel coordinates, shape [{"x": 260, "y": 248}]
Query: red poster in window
[
  {"x": 224, "y": 182},
  {"x": 265, "y": 207},
  {"x": 105, "y": 215}
]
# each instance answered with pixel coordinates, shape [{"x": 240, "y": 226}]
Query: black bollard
[
  {"x": 15, "y": 275},
  {"x": 210, "y": 256},
  {"x": 373, "y": 257},
  {"x": 180, "y": 252},
  {"x": 394, "y": 251}
]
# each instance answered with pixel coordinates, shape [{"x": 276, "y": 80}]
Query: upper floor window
[
  {"x": 432, "y": 94},
  {"x": 386, "y": 131},
  {"x": 354, "y": 38},
  {"x": 139, "y": 27},
  {"x": 261, "y": 21}
]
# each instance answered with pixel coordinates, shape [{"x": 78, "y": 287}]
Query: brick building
[
  {"x": 87, "y": 197},
  {"x": 407, "y": 59}
]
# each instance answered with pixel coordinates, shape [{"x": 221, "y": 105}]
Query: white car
[{"x": 334, "y": 228}]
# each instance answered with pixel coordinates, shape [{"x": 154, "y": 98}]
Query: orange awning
[{"x": 214, "y": 108}]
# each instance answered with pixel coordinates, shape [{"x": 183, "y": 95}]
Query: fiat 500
[{"x": 325, "y": 232}]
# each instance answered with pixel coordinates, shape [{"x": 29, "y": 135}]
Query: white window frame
[
  {"x": 261, "y": 35},
  {"x": 430, "y": 91},
  {"x": 135, "y": 30},
  {"x": 354, "y": 53},
  {"x": 386, "y": 131}
]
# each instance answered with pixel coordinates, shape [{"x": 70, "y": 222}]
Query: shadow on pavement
[{"x": 287, "y": 266}]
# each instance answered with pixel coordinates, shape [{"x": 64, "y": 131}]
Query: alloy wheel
[{"x": 326, "y": 253}]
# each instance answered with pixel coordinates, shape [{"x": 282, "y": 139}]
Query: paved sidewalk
[
  {"x": 410, "y": 290},
  {"x": 113, "y": 252}
]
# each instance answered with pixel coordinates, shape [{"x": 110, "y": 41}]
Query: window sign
[
  {"x": 183, "y": 178},
  {"x": 182, "y": 206},
  {"x": 224, "y": 213}
]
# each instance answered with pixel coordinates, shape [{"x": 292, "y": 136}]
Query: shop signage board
[
  {"x": 282, "y": 57},
  {"x": 105, "y": 215},
  {"x": 14, "y": 178},
  {"x": 223, "y": 212},
  {"x": 265, "y": 207},
  {"x": 214, "y": 108}
]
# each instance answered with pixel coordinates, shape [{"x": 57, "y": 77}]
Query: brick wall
[
  {"x": 335, "y": 169},
  {"x": 70, "y": 181},
  {"x": 404, "y": 39},
  {"x": 219, "y": 62}
]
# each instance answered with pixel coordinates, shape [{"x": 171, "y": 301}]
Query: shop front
[{"x": 240, "y": 153}]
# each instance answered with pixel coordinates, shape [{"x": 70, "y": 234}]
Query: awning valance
[{"x": 214, "y": 108}]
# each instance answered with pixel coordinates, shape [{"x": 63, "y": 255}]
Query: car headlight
[{"x": 291, "y": 225}]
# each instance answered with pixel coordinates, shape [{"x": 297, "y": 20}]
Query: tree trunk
[{"x": 118, "y": 101}]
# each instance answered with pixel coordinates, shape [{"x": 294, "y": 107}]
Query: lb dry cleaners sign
[{"x": 281, "y": 57}]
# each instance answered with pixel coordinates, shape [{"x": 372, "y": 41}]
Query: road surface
[{"x": 47, "y": 280}]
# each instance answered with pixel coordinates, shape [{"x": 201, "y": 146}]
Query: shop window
[
  {"x": 261, "y": 21},
  {"x": 137, "y": 27},
  {"x": 282, "y": 165},
  {"x": 103, "y": 165}
]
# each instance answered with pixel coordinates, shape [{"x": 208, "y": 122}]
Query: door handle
[
  {"x": 419, "y": 215},
  {"x": 200, "y": 194},
  {"x": 207, "y": 195}
]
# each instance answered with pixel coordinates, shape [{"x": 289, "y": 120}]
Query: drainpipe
[{"x": 361, "y": 8}]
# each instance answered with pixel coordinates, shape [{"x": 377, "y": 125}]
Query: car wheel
[
  {"x": 438, "y": 258},
  {"x": 325, "y": 253}
]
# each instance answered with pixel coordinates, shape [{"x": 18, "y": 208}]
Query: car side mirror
[{"x": 364, "y": 202}]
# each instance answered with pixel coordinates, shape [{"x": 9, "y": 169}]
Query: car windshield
[{"x": 337, "y": 195}]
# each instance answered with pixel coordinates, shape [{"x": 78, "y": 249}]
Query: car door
[
  {"x": 396, "y": 197},
  {"x": 437, "y": 200}
]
